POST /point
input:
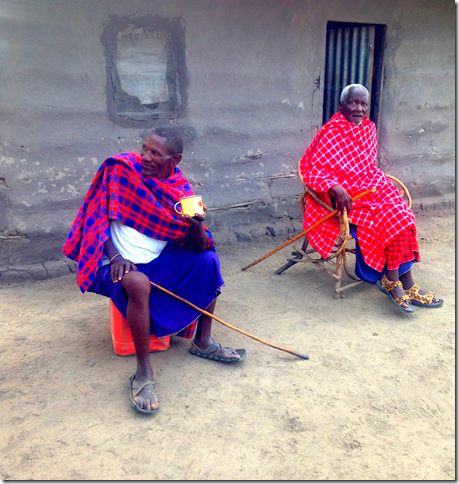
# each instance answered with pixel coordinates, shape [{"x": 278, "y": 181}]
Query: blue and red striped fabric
[{"x": 119, "y": 191}]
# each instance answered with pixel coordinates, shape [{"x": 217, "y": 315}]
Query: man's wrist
[
  {"x": 116, "y": 255},
  {"x": 333, "y": 188}
]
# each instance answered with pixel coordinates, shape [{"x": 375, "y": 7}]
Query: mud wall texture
[{"x": 245, "y": 81}]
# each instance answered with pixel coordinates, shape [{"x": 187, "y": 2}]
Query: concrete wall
[{"x": 254, "y": 72}]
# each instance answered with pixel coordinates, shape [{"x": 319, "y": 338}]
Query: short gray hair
[
  {"x": 173, "y": 135},
  {"x": 345, "y": 92}
]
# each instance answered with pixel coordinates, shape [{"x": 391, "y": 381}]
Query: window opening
[{"x": 146, "y": 74}]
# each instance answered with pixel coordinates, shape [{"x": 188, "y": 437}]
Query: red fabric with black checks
[{"x": 345, "y": 154}]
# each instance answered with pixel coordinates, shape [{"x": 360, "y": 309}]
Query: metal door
[{"x": 349, "y": 59}]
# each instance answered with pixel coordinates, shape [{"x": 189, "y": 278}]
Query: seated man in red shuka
[{"x": 339, "y": 164}]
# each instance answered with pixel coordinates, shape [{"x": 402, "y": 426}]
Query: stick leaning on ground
[
  {"x": 229, "y": 325},
  {"x": 330, "y": 215}
]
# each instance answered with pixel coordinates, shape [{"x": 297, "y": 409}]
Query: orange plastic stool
[{"x": 122, "y": 338}]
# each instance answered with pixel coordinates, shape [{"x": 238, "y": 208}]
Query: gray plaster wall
[{"x": 254, "y": 84}]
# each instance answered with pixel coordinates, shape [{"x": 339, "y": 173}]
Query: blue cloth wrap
[
  {"x": 364, "y": 271},
  {"x": 194, "y": 277}
]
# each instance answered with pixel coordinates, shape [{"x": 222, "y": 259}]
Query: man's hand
[
  {"x": 342, "y": 198},
  {"x": 119, "y": 267},
  {"x": 198, "y": 236},
  {"x": 196, "y": 220}
]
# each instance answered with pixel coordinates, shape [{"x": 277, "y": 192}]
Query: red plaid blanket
[
  {"x": 344, "y": 154},
  {"x": 119, "y": 191}
]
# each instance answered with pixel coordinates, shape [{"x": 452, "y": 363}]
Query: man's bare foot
[
  {"x": 399, "y": 292},
  {"x": 215, "y": 351},
  {"x": 394, "y": 290},
  {"x": 422, "y": 298},
  {"x": 143, "y": 395},
  {"x": 221, "y": 350}
]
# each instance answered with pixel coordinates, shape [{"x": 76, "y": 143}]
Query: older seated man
[
  {"x": 339, "y": 164},
  {"x": 127, "y": 234}
]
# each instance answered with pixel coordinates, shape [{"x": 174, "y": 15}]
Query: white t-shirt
[{"x": 132, "y": 245}]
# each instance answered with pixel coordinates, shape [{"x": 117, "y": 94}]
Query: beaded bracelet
[{"x": 114, "y": 257}]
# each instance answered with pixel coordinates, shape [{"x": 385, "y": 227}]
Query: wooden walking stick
[
  {"x": 229, "y": 325},
  {"x": 330, "y": 215}
]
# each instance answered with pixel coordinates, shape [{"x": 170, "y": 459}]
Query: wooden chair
[{"x": 337, "y": 261}]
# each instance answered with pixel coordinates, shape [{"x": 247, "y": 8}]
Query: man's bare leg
[
  {"x": 393, "y": 276},
  {"x": 203, "y": 337},
  {"x": 137, "y": 287}
]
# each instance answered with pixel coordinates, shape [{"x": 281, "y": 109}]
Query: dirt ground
[{"x": 375, "y": 401}]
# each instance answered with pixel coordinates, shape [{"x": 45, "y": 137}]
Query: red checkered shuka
[
  {"x": 402, "y": 248},
  {"x": 344, "y": 154},
  {"x": 119, "y": 191}
]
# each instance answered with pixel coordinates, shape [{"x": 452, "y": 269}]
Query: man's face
[
  {"x": 156, "y": 160},
  {"x": 355, "y": 107}
]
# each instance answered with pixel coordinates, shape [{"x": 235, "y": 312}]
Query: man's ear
[
  {"x": 340, "y": 106},
  {"x": 176, "y": 159}
]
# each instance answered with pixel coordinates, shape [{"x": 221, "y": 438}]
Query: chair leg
[
  {"x": 286, "y": 266},
  {"x": 292, "y": 263},
  {"x": 339, "y": 266},
  {"x": 305, "y": 244}
]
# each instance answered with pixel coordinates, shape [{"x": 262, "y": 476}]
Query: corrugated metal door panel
[{"x": 349, "y": 60}]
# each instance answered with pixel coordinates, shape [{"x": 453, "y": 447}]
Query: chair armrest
[
  {"x": 313, "y": 194},
  {"x": 403, "y": 190}
]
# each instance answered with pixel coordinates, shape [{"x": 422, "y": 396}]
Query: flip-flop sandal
[
  {"x": 423, "y": 300},
  {"x": 137, "y": 388},
  {"x": 209, "y": 353},
  {"x": 385, "y": 286}
]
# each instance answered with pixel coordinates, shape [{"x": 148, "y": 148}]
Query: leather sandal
[
  {"x": 385, "y": 286},
  {"x": 135, "y": 388},
  {"x": 423, "y": 300},
  {"x": 209, "y": 353}
]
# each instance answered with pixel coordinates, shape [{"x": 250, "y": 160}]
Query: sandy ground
[{"x": 376, "y": 400}]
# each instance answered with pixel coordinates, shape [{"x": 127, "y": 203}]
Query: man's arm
[
  {"x": 318, "y": 169},
  {"x": 118, "y": 265}
]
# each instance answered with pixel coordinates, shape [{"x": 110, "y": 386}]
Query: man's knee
[{"x": 136, "y": 284}]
